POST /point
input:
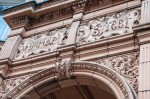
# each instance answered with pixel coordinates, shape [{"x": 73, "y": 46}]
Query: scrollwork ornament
[
  {"x": 107, "y": 26},
  {"x": 46, "y": 41},
  {"x": 9, "y": 84},
  {"x": 126, "y": 65}
]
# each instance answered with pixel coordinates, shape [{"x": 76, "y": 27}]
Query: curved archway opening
[
  {"x": 80, "y": 92},
  {"x": 88, "y": 77},
  {"x": 80, "y": 87}
]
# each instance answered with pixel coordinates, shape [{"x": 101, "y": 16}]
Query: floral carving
[
  {"x": 9, "y": 84},
  {"x": 63, "y": 69},
  {"x": 126, "y": 65},
  {"x": 107, "y": 26},
  {"x": 47, "y": 41},
  {"x": 30, "y": 21},
  {"x": 102, "y": 71}
]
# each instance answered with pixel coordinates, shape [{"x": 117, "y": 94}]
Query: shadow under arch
[{"x": 99, "y": 73}]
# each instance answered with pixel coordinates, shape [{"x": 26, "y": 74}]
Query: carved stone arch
[{"x": 101, "y": 73}]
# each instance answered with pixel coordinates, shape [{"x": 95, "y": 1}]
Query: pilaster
[
  {"x": 143, "y": 34},
  {"x": 144, "y": 72},
  {"x": 10, "y": 47},
  {"x": 145, "y": 12},
  {"x": 8, "y": 51}
]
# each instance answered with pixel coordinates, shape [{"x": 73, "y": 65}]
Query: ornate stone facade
[
  {"x": 9, "y": 84},
  {"x": 109, "y": 25},
  {"x": 47, "y": 41},
  {"x": 126, "y": 65},
  {"x": 17, "y": 88},
  {"x": 61, "y": 43},
  {"x": 78, "y": 6}
]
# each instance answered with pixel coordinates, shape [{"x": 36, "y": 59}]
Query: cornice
[
  {"x": 31, "y": 15},
  {"x": 32, "y": 4},
  {"x": 35, "y": 58},
  {"x": 107, "y": 47},
  {"x": 142, "y": 27},
  {"x": 143, "y": 33}
]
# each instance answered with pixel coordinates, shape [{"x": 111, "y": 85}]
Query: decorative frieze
[
  {"x": 126, "y": 65},
  {"x": 52, "y": 16},
  {"x": 20, "y": 20},
  {"x": 34, "y": 20},
  {"x": 47, "y": 41},
  {"x": 29, "y": 21},
  {"x": 9, "y": 84},
  {"x": 108, "y": 26}
]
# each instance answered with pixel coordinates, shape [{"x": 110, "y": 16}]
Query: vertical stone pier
[{"x": 144, "y": 41}]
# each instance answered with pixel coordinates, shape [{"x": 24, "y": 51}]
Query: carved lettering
[
  {"x": 107, "y": 26},
  {"x": 46, "y": 42}
]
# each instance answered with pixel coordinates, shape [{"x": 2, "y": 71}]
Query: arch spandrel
[{"x": 70, "y": 70}]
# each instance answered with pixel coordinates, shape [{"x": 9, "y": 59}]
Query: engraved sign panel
[
  {"x": 107, "y": 26},
  {"x": 47, "y": 41}
]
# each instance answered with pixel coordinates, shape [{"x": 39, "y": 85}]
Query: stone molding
[
  {"x": 126, "y": 65},
  {"x": 103, "y": 27},
  {"x": 75, "y": 4},
  {"x": 75, "y": 67},
  {"x": 107, "y": 26},
  {"x": 9, "y": 84},
  {"x": 46, "y": 41},
  {"x": 28, "y": 21}
]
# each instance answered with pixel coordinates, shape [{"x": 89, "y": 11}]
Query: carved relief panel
[
  {"x": 47, "y": 41},
  {"x": 126, "y": 65},
  {"x": 9, "y": 84},
  {"x": 107, "y": 26}
]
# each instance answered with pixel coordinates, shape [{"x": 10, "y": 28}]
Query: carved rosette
[
  {"x": 126, "y": 65},
  {"x": 47, "y": 41},
  {"x": 9, "y": 84},
  {"x": 107, "y": 26}
]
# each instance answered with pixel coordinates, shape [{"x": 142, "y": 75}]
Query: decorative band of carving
[
  {"x": 8, "y": 85},
  {"x": 126, "y": 65},
  {"x": 47, "y": 41},
  {"x": 73, "y": 67},
  {"x": 107, "y": 26},
  {"x": 104, "y": 71},
  {"x": 75, "y": 7},
  {"x": 49, "y": 17}
]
